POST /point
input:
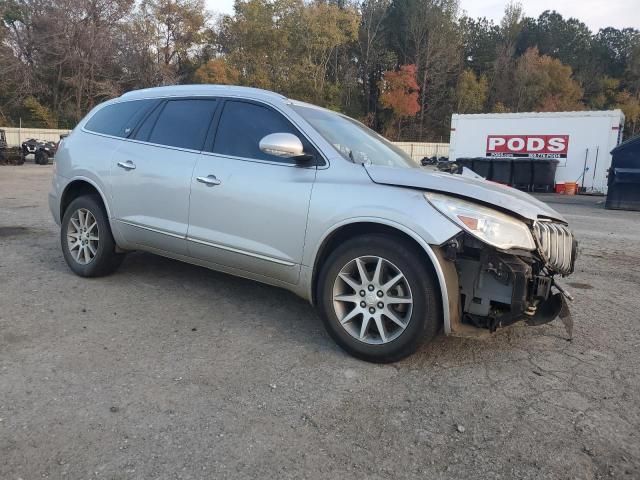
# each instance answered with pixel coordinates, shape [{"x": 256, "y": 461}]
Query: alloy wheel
[
  {"x": 83, "y": 236},
  {"x": 372, "y": 300}
]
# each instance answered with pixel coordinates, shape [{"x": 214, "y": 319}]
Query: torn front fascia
[{"x": 498, "y": 288}]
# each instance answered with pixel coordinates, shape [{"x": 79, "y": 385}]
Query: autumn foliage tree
[
  {"x": 543, "y": 83},
  {"x": 217, "y": 71},
  {"x": 400, "y": 94}
]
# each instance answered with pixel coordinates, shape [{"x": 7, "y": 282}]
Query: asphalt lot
[{"x": 166, "y": 370}]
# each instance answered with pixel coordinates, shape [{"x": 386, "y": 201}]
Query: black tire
[
  {"x": 40, "y": 158},
  {"x": 425, "y": 318},
  {"x": 106, "y": 260}
]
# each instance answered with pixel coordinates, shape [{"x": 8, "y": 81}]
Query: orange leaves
[{"x": 400, "y": 91}]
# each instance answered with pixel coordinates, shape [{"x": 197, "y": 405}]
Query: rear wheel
[
  {"x": 86, "y": 239},
  {"x": 377, "y": 298},
  {"x": 41, "y": 158}
]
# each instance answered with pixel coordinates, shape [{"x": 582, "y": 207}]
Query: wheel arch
[
  {"x": 78, "y": 187},
  {"x": 348, "y": 229}
]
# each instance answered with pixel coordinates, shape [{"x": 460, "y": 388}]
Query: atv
[{"x": 41, "y": 150}]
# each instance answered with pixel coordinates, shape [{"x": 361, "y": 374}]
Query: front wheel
[
  {"x": 86, "y": 239},
  {"x": 378, "y": 299}
]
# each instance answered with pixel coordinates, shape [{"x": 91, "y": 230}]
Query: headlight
[{"x": 489, "y": 225}]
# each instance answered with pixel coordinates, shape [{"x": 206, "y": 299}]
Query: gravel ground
[{"x": 166, "y": 370}]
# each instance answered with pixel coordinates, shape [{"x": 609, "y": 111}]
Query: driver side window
[{"x": 241, "y": 127}]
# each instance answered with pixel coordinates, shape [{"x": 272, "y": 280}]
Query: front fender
[{"x": 449, "y": 303}]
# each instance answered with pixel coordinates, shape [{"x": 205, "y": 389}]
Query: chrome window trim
[{"x": 142, "y": 142}]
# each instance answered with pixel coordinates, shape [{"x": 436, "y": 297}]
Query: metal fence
[
  {"x": 419, "y": 150},
  {"x": 15, "y": 135}
]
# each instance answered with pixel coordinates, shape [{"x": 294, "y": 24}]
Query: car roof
[{"x": 204, "y": 90}]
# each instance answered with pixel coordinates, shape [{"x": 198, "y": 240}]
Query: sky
[{"x": 595, "y": 13}]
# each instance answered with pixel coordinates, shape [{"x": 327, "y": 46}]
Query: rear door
[
  {"x": 249, "y": 209},
  {"x": 151, "y": 174}
]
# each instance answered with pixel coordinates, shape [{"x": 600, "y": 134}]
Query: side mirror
[{"x": 284, "y": 145}]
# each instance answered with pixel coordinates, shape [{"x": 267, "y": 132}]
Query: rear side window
[
  {"x": 119, "y": 119},
  {"x": 242, "y": 126},
  {"x": 183, "y": 123},
  {"x": 144, "y": 130}
]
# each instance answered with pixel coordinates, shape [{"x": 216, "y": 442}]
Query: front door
[
  {"x": 151, "y": 174},
  {"x": 249, "y": 209}
]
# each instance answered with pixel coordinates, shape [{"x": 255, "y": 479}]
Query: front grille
[{"x": 556, "y": 245}]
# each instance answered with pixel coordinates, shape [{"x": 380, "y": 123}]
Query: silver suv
[{"x": 254, "y": 184}]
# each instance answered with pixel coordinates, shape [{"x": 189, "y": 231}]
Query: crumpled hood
[{"x": 491, "y": 193}]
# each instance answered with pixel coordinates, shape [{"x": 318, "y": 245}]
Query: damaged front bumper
[{"x": 489, "y": 289}]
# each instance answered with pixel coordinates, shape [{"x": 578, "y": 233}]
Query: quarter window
[
  {"x": 119, "y": 119},
  {"x": 183, "y": 123},
  {"x": 242, "y": 126}
]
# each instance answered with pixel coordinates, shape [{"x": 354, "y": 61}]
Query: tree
[
  {"x": 613, "y": 49},
  {"x": 217, "y": 71},
  {"x": 373, "y": 55},
  {"x": 480, "y": 39},
  {"x": 64, "y": 51},
  {"x": 544, "y": 84},
  {"x": 630, "y": 106},
  {"x": 173, "y": 29},
  {"x": 605, "y": 93},
  {"x": 315, "y": 38},
  {"x": 288, "y": 45},
  {"x": 471, "y": 92},
  {"x": 400, "y": 93},
  {"x": 40, "y": 115},
  {"x": 501, "y": 79},
  {"x": 425, "y": 33},
  {"x": 255, "y": 41}
]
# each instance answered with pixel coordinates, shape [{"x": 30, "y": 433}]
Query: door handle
[
  {"x": 128, "y": 165},
  {"x": 209, "y": 180}
]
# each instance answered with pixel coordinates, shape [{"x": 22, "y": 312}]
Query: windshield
[{"x": 353, "y": 140}]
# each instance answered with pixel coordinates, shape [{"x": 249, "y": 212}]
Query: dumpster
[
  {"x": 501, "y": 170},
  {"x": 522, "y": 173},
  {"x": 482, "y": 166},
  {"x": 624, "y": 177},
  {"x": 465, "y": 162},
  {"x": 544, "y": 173}
]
